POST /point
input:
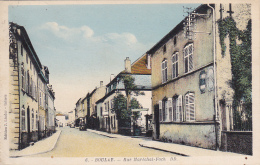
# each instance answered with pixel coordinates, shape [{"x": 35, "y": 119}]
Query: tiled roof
[{"x": 139, "y": 66}]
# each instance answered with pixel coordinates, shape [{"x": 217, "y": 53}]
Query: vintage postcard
[{"x": 129, "y": 82}]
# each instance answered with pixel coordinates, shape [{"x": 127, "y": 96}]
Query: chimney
[
  {"x": 127, "y": 65},
  {"x": 101, "y": 83},
  {"x": 112, "y": 77}
]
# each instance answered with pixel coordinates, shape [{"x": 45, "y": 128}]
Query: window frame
[
  {"x": 188, "y": 103},
  {"x": 164, "y": 68},
  {"x": 188, "y": 56},
  {"x": 175, "y": 65}
]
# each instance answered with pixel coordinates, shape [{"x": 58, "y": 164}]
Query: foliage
[
  {"x": 135, "y": 105},
  {"x": 124, "y": 115},
  {"x": 241, "y": 62}
]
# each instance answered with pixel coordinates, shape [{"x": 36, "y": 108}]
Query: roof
[
  {"x": 139, "y": 66},
  {"x": 24, "y": 37},
  {"x": 175, "y": 30}
]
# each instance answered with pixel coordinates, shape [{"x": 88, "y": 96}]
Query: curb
[
  {"x": 102, "y": 134},
  {"x": 54, "y": 145},
  {"x": 155, "y": 148}
]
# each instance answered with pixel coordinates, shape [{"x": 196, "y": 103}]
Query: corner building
[{"x": 27, "y": 88}]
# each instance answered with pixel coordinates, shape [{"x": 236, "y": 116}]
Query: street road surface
[{"x": 75, "y": 143}]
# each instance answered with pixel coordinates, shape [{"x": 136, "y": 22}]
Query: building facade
[
  {"x": 190, "y": 77},
  {"x": 105, "y": 106},
  {"x": 27, "y": 88}
]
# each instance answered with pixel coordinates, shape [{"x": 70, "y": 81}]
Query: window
[
  {"x": 175, "y": 65},
  {"x": 36, "y": 117},
  {"x": 112, "y": 104},
  {"x": 21, "y": 49},
  {"x": 101, "y": 109},
  {"x": 164, "y": 71},
  {"x": 177, "y": 108},
  {"x": 28, "y": 82},
  {"x": 105, "y": 106},
  {"x": 26, "y": 58},
  {"x": 31, "y": 65},
  {"x": 174, "y": 40},
  {"x": 188, "y": 58},
  {"x": 40, "y": 99},
  {"x": 163, "y": 110},
  {"x": 164, "y": 48},
  {"x": 170, "y": 116},
  {"x": 31, "y": 83},
  {"x": 190, "y": 106},
  {"x": 23, "y": 118}
]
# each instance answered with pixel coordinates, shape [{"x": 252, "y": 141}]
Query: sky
[{"x": 84, "y": 44}]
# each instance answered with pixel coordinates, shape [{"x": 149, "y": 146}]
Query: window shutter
[
  {"x": 180, "y": 107},
  {"x": 187, "y": 109},
  {"x": 25, "y": 84},
  {"x": 160, "y": 110},
  {"x": 166, "y": 114},
  {"x": 170, "y": 109},
  {"x": 192, "y": 106}
]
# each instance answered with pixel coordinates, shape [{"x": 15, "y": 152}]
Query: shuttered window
[
  {"x": 175, "y": 65},
  {"x": 190, "y": 106},
  {"x": 188, "y": 58},
  {"x": 179, "y": 108},
  {"x": 164, "y": 71}
]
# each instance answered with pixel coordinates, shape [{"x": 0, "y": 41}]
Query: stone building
[
  {"x": 28, "y": 80},
  {"x": 92, "y": 98},
  {"x": 190, "y": 78},
  {"x": 142, "y": 75}
]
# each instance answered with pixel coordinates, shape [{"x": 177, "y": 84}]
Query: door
[{"x": 157, "y": 121}]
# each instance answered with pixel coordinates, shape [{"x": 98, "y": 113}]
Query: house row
[
  {"x": 97, "y": 109},
  {"x": 32, "y": 111},
  {"x": 197, "y": 83}
]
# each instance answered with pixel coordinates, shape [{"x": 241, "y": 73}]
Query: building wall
[
  {"x": 191, "y": 133},
  {"x": 98, "y": 94},
  {"x": 51, "y": 114},
  {"x": 14, "y": 104}
]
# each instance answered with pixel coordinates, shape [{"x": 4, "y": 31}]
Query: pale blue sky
[{"x": 83, "y": 44}]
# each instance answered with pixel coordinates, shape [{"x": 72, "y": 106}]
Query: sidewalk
[
  {"x": 39, "y": 147},
  {"x": 184, "y": 150},
  {"x": 171, "y": 147},
  {"x": 110, "y": 135}
]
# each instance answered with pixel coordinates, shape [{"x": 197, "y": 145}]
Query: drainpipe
[{"x": 216, "y": 117}]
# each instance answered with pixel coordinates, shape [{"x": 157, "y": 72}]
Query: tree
[
  {"x": 130, "y": 88},
  {"x": 123, "y": 115}
]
